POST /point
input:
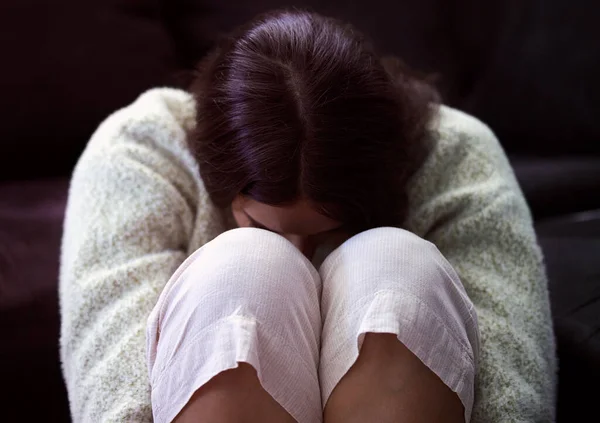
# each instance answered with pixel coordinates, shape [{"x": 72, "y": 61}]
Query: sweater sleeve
[
  {"x": 132, "y": 212},
  {"x": 466, "y": 200}
]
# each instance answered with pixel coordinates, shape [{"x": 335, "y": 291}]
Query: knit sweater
[{"x": 137, "y": 208}]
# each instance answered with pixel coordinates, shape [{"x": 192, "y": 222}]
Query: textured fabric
[
  {"x": 466, "y": 200},
  {"x": 388, "y": 280},
  {"x": 137, "y": 209},
  {"x": 247, "y": 296},
  {"x": 250, "y": 296}
]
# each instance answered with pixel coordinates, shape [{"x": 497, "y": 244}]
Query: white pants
[{"x": 250, "y": 296}]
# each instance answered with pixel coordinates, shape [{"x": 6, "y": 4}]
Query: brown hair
[{"x": 295, "y": 105}]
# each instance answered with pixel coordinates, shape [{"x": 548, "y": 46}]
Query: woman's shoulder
[
  {"x": 157, "y": 104},
  {"x": 158, "y": 118},
  {"x": 455, "y": 126},
  {"x": 466, "y": 170},
  {"x": 462, "y": 143}
]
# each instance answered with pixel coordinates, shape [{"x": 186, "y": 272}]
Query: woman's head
[{"x": 296, "y": 108}]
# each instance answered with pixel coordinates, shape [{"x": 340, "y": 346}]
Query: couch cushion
[
  {"x": 66, "y": 65},
  {"x": 421, "y": 32},
  {"x": 31, "y": 216},
  {"x": 540, "y": 89},
  {"x": 558, "y": 186},
  {"x": 526, "y": 67},
  {"x": 571, "y": 245}
]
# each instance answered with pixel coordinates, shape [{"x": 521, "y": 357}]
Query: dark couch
[{"x": 526, "y": 67}]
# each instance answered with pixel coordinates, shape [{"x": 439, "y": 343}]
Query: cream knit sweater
[{"x": 137, "y": 208}]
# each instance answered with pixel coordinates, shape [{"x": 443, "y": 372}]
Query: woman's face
[{"x": 299, "y": 223}]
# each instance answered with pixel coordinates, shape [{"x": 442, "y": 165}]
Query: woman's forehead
[{"x": 301, "y": 217}]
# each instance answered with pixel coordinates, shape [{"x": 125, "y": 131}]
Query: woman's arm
[
  {"x": 466, "y": 200},
  {"x": 131, "y": 215}
]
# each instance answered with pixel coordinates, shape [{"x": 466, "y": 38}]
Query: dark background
[{"x": 528, "y": 68}]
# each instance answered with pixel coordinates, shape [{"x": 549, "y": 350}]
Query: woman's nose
[{"x": 304, "y": 244}]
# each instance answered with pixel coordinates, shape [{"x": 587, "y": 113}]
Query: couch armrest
[{"x": 559, "y": 185}]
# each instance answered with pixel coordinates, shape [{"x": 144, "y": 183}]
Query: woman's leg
[
  {"x": 234, "y": 396},
  {"x": 393, "y": 297},
  {"x": 235, "y": 334}
]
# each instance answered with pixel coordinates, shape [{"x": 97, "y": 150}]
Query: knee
[
  {"x": 399, "y": 263},
  {"x": 388, "y": 241},
  {"x": 254, "y": 244},
  {"x": 393, "y": 251},
  {"x": 242, "y": 271},
  {"x": 249, "y": 263},
  {"x": 251, "y": 253},
  {"x": 402, "y": 284}
]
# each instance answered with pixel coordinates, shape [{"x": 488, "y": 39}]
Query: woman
[{"x": 296, "y": 127}]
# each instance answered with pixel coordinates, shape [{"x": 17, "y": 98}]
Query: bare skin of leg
[
  {"x": 233, "y": 396},
  {"x": 388, "y": 383}
]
